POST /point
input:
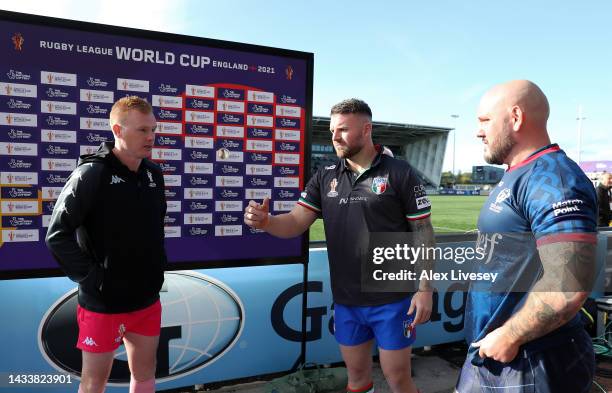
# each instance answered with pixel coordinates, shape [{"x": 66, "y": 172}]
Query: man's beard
[
  {"x": 498, "y": 152},
  {"x": 346, "y": 152}
]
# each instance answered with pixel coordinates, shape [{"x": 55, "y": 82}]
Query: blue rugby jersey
[{"x": 544, "y": 199}]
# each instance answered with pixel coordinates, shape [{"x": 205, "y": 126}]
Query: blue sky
[{"x": 413, "y": 62}]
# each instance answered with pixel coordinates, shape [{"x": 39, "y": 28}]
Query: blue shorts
[
  {"x": 565, "y": 367},
  {"x": 388, "y": 323}
]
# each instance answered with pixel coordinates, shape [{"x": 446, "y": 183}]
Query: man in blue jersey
[{"x": 538, "y": 231}]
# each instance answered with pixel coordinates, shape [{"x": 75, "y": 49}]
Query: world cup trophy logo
[
  {"x": 125, "y": 85},
  {"x": 50, "y": 107},
  {"x": 88, "y": 96},
  {"x": 289, "y": 72},
  {"x": 49, "y": 78},
  {"x": 10, "y": 179},
  {"x": 9, "y": 89},
  {"x": 9, "y": 149},
  {"x": 50, "y": 192},
  {"x": 18, "y": 41},
  {"x": 11, "y": 235},
  {"x": 9, "y": 119},
  {"x": 50, "y": 136}
]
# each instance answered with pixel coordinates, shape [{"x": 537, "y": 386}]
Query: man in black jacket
[
  {"x": 107, "y": 233},
  {"x": 604, "y": 200}
]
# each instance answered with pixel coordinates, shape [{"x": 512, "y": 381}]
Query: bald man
[
  {"x": 604, "y": 200},
  {"x": 538, "y": 231}
]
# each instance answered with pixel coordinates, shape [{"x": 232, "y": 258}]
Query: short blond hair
[{"x": 126, "y": 104}]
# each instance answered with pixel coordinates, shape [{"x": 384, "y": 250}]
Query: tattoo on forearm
[
  {"x": 423, "y": 233},
  {"x": 568, "y": 271}
]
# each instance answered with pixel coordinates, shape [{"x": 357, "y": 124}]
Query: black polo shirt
[{"x": 381, "y": 199}]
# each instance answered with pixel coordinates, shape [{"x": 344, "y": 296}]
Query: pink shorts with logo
[{"x": 104, "y": 332}]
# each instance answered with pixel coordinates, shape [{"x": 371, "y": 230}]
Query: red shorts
[{"x": 104, "y": 332}]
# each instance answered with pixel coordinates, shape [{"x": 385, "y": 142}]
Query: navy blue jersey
[{"x": 545, "y": 199}]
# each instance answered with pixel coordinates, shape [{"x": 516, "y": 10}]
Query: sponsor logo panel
[
  {"x": 197, "y": 218},
  {"x": 58, "y": 164},
  {"x": 58, "y": 78},
  {"x": 200, "y": 91},
  {"x": 172, "y": 180},
  {"x": 58, "y": 136},
  {"x": 198, "y": 167},
  {"x": 288, "y": 111},
  {"x": 169, "y": 127},
  {"x": 194, "y": 142},
  {"x": 19, "y": 207},
  {"x": 94, "y": 123},
  {"x": 259, "y": 158},
  {"x": 259, "y": 145},
  {"x": 172, "y": 231},
  {"x": 230, "y": 106},
  {"x": 283, "y": 206},
  {"x": 197, "y": 193},
  {"x": 18, "y": 149},
  {"x": 286, "y": 158},
  {"x": 167, "y": 101},
  {"x": 228, "y": 206},
  {"x": 101, "y": 96},
  {"x": 18, "y": 119},
  {"x": 260, "y": 109},
  {"x": 254, "y": 132},
  {"x": 230, "y": 144},
  {"x": 141, "y": 86},
  {"x": 166, "y": 154},
  {"x": 282, "y": 122},
  {"x": 260, "y": 96},
  {"x": 231, "y": 94},
  {"x": 199, "y": 117},
  {"x": 229, "y": 118},
  {"x": 23, "y": 235},
  {"x": 287, "y": 147},
  {"x": 287, "y": 135},
  {"x": 167, "y": 141},
  {"x": 201, "y": 104},
  {"x": 18, "y": 178},
  {"x": 229, "y": 181},
  {"x": 19, "y": 193},
  {"x": 260, "y": 121},
  {"x": 228, "y": 230},
  {"x": 257, "y": 193},
  {"x": 287, "y": 182},
  {"x": 230, "y": 131}
]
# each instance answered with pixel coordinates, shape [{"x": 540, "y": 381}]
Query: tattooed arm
[
  {"x": 569, "y": 270},
  {"x": 423, "y": 233},
  {"x": 568, "y": 275}
]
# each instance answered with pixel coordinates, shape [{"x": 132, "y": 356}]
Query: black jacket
[
  {"x": 107, "y": 232},
  {"x": 603, "y": 203}
]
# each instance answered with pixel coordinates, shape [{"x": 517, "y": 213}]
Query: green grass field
[{"x": 449, "y": 213}]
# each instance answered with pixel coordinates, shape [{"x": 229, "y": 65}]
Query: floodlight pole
[{"x": 454, "y": 142}]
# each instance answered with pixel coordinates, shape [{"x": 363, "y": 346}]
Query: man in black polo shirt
[{"x": 365, "y": 191}]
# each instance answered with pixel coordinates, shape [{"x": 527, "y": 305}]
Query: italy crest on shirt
[{"x": 379, "y": 184}]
